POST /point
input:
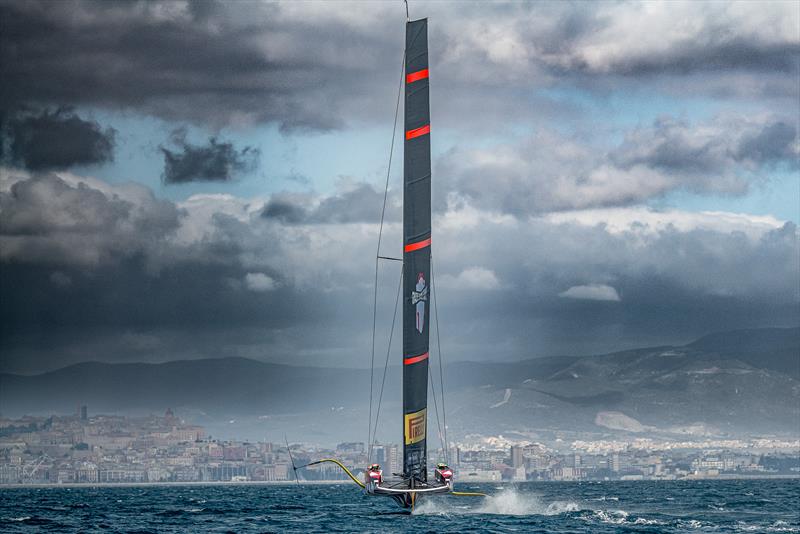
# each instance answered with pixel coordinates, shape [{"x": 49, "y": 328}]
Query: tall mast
[{"x": 416, "y": 251}]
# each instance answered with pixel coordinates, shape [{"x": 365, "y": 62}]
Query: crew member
[
  {"x": 443, "y": 473},
  {"x": 374, "y": 474}
]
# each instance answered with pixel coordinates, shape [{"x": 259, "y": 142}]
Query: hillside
[{"x": 740, "y": 382}]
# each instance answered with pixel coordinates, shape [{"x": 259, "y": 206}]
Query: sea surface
[{"x": 680, "y": 506}]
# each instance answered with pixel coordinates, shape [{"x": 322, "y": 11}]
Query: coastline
[{"x": 347, "y": 482}]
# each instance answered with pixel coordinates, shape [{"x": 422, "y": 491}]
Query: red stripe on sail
[
  {"x": 419, "y": 75},
  {"x": 416, "y": 132},
  {"x": 411, "y": 247},
  {"x": 415, "y": 359}
]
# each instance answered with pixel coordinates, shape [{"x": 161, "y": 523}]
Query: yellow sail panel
[{"x": 415, "y": 426}]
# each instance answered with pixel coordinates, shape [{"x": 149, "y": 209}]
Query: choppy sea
[{"x": 559, "y": 507}]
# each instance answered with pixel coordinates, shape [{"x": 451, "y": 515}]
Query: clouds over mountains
[
  {"x": 116, "y": 259},
  {"x": 542, "y": 241}
]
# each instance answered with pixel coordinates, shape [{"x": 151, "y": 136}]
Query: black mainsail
[
  {"x": 416, "y": 293},
  {"x": 416, "y": 251}
]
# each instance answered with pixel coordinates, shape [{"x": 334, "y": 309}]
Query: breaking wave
[
  {"x": 506, "y": 502},
  {"x": 621, "y": 517}
]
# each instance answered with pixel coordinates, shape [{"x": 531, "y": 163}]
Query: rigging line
[
  {"x": 377, "y": 256},
  {"x": 289, "y": 450},
  {"x": 441, "y": 357},
  {"x": 435, "y": 405},
  {"x": 442, "y": 438},
  {"x": 386, "y": 364},
  {"x": 433, "y": 391}
]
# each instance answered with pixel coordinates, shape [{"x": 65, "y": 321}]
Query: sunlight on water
[{"x": 506, "y": 502}]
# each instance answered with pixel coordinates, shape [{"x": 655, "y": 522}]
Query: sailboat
[
  {"x": 416, "y": 282},
  {"x": 406, "y": 487}
]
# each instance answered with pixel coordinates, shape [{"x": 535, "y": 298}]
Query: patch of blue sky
[
  {"x": 297, "y": 161},
  {"x": 137, "y": 157},
  {"x": 622, "y": 109},
  {"x": 777, "y": 195}
]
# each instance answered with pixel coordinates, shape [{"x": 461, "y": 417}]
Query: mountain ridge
[{"x": 743, "y": 380}]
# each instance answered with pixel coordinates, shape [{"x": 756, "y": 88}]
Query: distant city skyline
[{"x": 109, "y": 449}]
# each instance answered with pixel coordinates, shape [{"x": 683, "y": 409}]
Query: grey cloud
[
  {"x": 712, "y": 148},
  {"x": 206, "y": 62},
  {"x": 285, "y": 211},
  {"x": 644, "y": 40},
  {"x": 668, "y": 280},
  {"x": 45, "y": 220},
  {"x": 737, "y": 54},
  {"x": 57, "y": 140},
  {"x": 312, "y": 66},
  {"x": 549, "y": 171},
  {"x": 215, "y": 161},
  {"x": 773, "y": 144},
  {"x": 173, "y": 280},
  {"x": 360, "y": 203},
  {"x": 46, "y": 204}
]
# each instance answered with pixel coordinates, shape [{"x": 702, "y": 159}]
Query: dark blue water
[{"x": 697, "y": 506}]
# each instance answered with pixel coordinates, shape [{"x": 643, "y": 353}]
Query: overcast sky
[{"x": 205, "y": 179}]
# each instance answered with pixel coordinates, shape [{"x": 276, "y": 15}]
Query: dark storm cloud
[
  {"x": 92, "y": 270},
  {"x": 773, "y": 144},
  {"x": 95, "y": 271},
  {"x": 46, "y": 221},
  {"x": 57, "y": 139},
  {"x": 359, "y": 203},
  {"x": 207, "y": 62},
  {"x": 315, "y": 66},
  {"x": 674, "y": 145},
  {"x": 285, "y": 210},
  {"x": 216, "y": 161}
]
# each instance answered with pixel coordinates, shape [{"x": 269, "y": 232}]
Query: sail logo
[
  {"x": 418, "y": 299},
  {"x": 415, "y": 425}
]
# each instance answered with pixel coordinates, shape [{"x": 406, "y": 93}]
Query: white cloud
[
  {"x": 471, "y": 278},
  {"x": 591, "y": 292},
  {"x": 641, "y": 32},
  {"x": 259, "y": 282},
  {"x": 642, "y": 220},
  {"x": 551, "y": 171}
]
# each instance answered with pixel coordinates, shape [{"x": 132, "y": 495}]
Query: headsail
[{"x": 416, "y": 251}]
